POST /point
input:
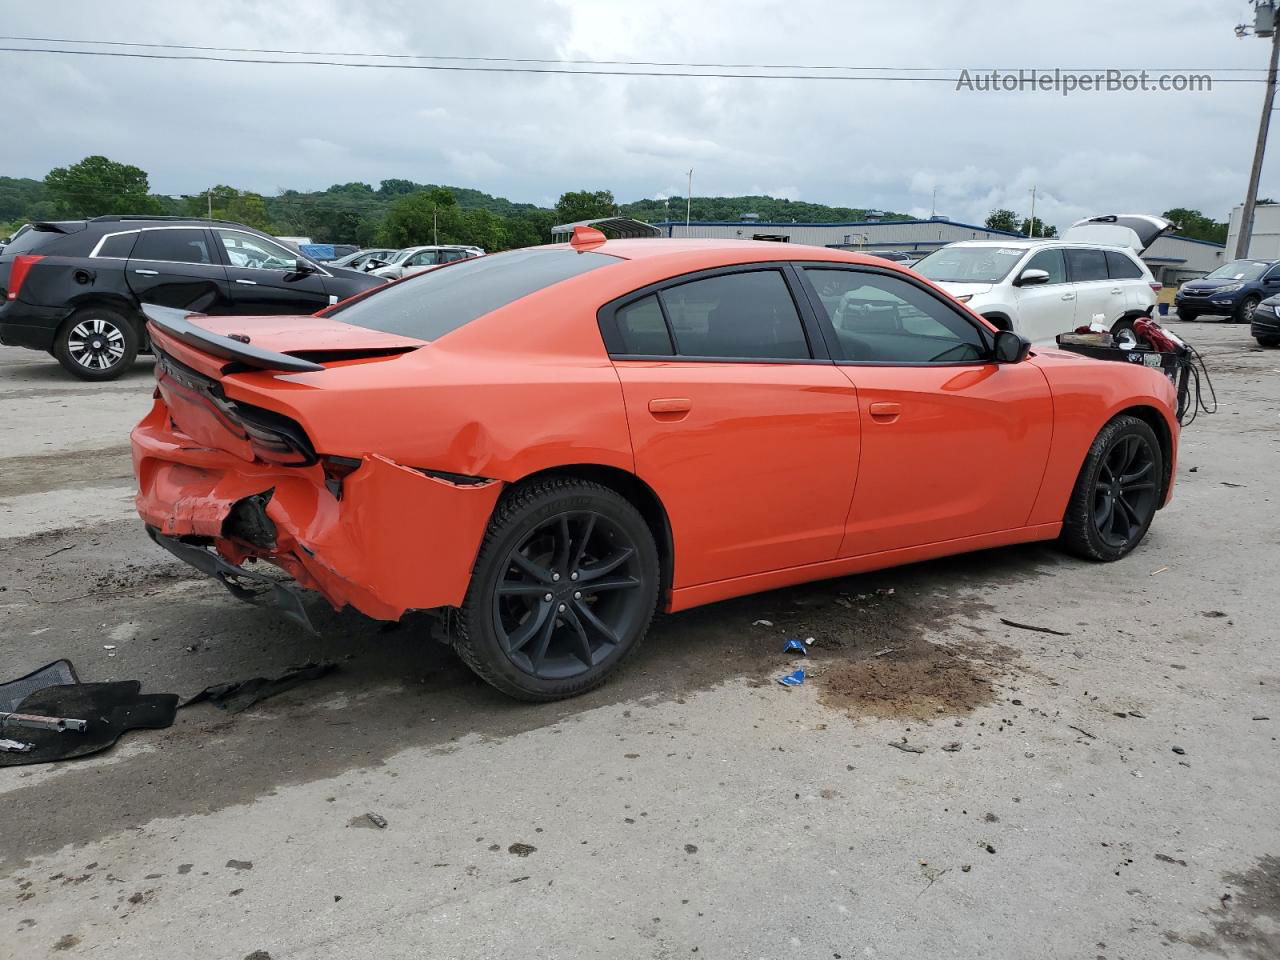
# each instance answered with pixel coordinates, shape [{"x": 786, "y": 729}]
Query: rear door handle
[
  {"x": 670, "y": 408},
  {"x": 148, "y": 273},
  {"x": 885, "y": 411},
  {"x": 1068, "y": 296},
  {"x": 248, "y": 283},
  {"x": 1117, "y": 290}
]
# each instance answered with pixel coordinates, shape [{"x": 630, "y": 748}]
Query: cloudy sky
[{"x": 531, "y": 137}]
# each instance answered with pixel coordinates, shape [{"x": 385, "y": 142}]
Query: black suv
[{"x": 74, "y": 287}]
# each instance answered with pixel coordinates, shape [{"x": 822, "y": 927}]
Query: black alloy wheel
[
  {"x": 1117, "y": 492},
  {"x": 562, "y": 592}
]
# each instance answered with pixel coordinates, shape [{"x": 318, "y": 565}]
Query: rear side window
[
  {"x": 747, "y": 315},
  {"x": 119, "y": 246},
  {"x": 429, "y": 305},
  {"x": 1121, "y": 267},
  {"x": 1086, "y": 265},
  {"x": 173, "y": 246},
  {"x": 643, "y": 329}
]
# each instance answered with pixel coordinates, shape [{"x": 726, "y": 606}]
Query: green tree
[
  {"x": 1038, "y": 228},
  {"x": 1194, "y": 224},
  {"x": 97, "y": 186},
  {"x": 1002, "y": 219},
  {"x": 585, "y": 205}
]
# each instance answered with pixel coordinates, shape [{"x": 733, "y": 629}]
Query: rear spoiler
[{"x": 175, "y": 323}]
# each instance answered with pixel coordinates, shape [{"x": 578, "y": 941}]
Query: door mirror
[
  {"x": 1032, "y": 276},
  {"x": 301, "y": 268},
  {"x": 1011, "y": 347}
]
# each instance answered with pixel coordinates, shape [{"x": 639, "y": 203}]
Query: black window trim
[
  {"x": 828, "y": 330},
  {"x": 606, "y": 317}
]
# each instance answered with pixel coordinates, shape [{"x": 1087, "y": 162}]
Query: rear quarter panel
[{"x": 1086, "y": 394}]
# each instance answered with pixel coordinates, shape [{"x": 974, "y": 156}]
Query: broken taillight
[{"x": 22, "y": 265}]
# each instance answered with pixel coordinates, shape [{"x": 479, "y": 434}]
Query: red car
[{"x": 549, "y": 444}]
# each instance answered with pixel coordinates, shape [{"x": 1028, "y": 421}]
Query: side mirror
[
  {"x": 1011, "y": 347},
  {"x": 1032, "y": 276},
  {"x": 301, "y": 268}
]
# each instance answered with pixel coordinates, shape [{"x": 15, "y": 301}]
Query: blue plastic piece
[
  {"x": 795, "y": 645},
  {"x": 792, "y": 679}
]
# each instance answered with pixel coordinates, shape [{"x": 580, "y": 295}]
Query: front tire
[
  {"x": 1268, "y": 341},
  {"x": 96, "y": 343},
  {"x": 563, "y": 590},
  {"x": 1117, "y": 492},
  {"x": 1188, "y": 316}
]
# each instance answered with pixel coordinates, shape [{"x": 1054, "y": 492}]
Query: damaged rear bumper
[{"x": 391, "y": 539}]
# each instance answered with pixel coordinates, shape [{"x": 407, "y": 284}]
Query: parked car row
[{"x": 75, "y": 288}]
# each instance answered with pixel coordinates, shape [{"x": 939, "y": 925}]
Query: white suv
[
  {"x": 1041, "y": 288},
  {"x": 413, "y": 260}
]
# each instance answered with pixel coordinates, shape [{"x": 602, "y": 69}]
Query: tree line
[
  {"x": 395, "y": 213},
  {"x": 1187, "y": 223}
]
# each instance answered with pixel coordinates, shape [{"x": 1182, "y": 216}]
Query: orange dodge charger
[{"x": 548, "y": 444}]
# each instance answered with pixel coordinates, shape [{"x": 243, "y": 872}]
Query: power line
[
  {"x": 455, "y": 68},
  {"x": 586, "y": 62}
]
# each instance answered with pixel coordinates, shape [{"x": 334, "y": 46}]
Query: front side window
[
  {"x": 244, "y": 250},
  {"x": 1086, "y": 265},
  {"x": 884, "y": 319},
  {"x": 1051, "y": 262},
  {"x": 1121, "y": 267},
  {"x": 173, "y": 246},
  {"x": 423, "y": 258},
  {"x": 970, "y": 264},
  {"x": 737, "y": 315}
]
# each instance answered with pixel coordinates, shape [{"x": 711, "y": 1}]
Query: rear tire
[
  {"x": 563, "y": 590},
  {"x": 1117, "y": 492},
  {"x": 96, "y": 343},
  {"x": 1243, "y": 312}
]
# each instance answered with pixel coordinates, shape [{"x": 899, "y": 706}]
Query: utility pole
[
  {"x": 1031, "y": 224},
  {"x": 209, "y": 195},
  {"x": 1264, "y": 26},
  {"x": 933, "y": 204},
  {"x": 435, "y": 231},
  {"x": 688, "y": 204}
]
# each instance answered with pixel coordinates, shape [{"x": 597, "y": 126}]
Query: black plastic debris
[
  {"x": 58, "y": 673},
  {"x": 240, "y": 695},
  {"x": 108, "y": 709}
]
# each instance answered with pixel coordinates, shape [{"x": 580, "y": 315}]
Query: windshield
[
  {"x": 429, "y": 305},
  {"x": 1240, "y": 270},
  {"x": 970, "y": 264}
]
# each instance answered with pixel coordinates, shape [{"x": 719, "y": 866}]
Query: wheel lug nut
[
  {"x": 562, "y": 608},
  {"x": 577, "y": 594},
  {"x": 555, "y": 576},
  {"x": 547, "y": 598},
  {"x": 574, "y": 575}
]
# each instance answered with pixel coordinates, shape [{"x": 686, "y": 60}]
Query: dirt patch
[
  {"x": 68, "y": 469},
  {"x": 1235, "y": 929},
  {"x": 919, "y": 680}
]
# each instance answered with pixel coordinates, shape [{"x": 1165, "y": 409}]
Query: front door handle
[
  {"x": 248, "y": 283},
  {"x": 884, "y": 411},
  {"x": 1068, "y": 296},
  {"x": 148, "y": 273},
  {"x": 670, "y": 409},
  {"x": 1117, "y": 290}
]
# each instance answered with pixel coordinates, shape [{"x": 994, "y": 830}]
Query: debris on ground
[
  {"x": 1072, "y": 726},
  {"x": 1031, "y": 626},
  {"x": 1165, "y": 858},
  {"x": 1228, "y": 483},
  {"x": 792, "y": 679},
  {"x": 953, "y": 747},
  {"x": 794, "y": 644},
  {"x": 522, "y": 849},
  {"x": 1179, "y": 751},
  {"x": 906, "y": 747},
  {"x": 1213, "y": 614},
  {"x": 240, "y": 695},
  {"x": 762, "y": 623},
  {"x": 62, "y": 718},
  {"x": 1161, "y": 570}
]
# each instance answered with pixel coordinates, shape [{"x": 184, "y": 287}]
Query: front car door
[
  {"x": 264, "y": 279},
  {"x": 954, "y": 445},
  {"x": 746, "y": 432},
  {"x": 1046, "y": 309},
  {"x": 421, "y": 261},
  {"x": 178, "y": 267}
]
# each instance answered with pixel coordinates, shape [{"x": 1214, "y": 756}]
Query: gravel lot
[{"x": 692, "y": 807}]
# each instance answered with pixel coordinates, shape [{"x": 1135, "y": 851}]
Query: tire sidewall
[
  {"x": 114, "y": 317},
  {"x": 1082, "y": 497},
  {"x": 504, "y": 536}
]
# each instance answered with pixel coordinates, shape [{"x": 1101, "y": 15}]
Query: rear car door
[
  {"x": 1127, "y": 276},
  {"x": 1095, "y": 293},
  {"x": 264, "y": 278},
  {"x": 1046, "y": 309},
  {"x": 178, "y": 267},
  {"x": 954, "y": 445},
  {"x": 748, "y": 435}
]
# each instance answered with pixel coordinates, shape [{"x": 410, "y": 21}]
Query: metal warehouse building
[{"x": 1172, "y": 259}]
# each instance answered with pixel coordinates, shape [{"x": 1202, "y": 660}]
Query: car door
[
  {"x": 1047, "y": 309},
  {"x": 421, "y": 261},
  {"x": 1131, "y": 280},
  {"x": 178, "y": 267},
  {"x": 747, "y": 434},
  {"x": 263, "y": 277},
  {"x": 1096, "y": 294},
  {"x": 953, "y": 444}
]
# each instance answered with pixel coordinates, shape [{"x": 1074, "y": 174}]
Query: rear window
[
  {"x": 429, "y": 305},
  {"x": 32, "y": 240}
]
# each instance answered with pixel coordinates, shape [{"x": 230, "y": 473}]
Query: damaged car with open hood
[{"x": 546, "y": 446}]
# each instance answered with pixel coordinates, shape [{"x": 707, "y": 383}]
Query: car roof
[{"x": 720, "y": 250}]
